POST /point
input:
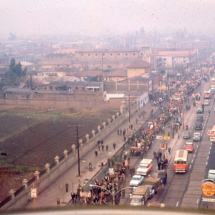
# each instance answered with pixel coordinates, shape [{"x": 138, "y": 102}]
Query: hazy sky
[{"x": 66, "y": 16}]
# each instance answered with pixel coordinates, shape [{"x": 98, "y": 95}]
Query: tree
[
  {"x": 12, "y": 64},
  {"x": 18, "y": 70}
]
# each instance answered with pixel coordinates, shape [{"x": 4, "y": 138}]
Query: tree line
[{"x": 13, "y": 75}]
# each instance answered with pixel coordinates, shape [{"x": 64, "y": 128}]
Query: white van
[{"x": 211, "y": 174}]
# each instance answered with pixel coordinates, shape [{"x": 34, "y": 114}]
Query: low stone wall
[{"x": 43, "y": 180}]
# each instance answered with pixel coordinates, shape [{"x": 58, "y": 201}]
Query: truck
[
  {"x": 155, "y": 182},
  {"x": 139, "y": 196}
]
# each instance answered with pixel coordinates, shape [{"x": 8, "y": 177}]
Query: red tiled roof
[{"x": 139, "y": 64}]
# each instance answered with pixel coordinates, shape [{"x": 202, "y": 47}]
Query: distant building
[
  {"x": 138, "y": 68},
  {"x": 170, "y": 59}
]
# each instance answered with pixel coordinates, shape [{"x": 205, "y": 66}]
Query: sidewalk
[{"x": 57, "y": 189}]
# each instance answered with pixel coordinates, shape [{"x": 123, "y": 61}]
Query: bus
[
  {"x": 207, "y": 94},
  {"x": 181, "y": 161}
]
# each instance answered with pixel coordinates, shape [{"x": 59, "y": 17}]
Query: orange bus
[
  {"x": 207, "y": 94},
  {"x": 181, "y": 161}
]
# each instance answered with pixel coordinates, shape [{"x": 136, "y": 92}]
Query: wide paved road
[{"x": 184, "y": 190}]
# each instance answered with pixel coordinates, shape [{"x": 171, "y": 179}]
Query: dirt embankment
[{"x": 33, "y": 137}]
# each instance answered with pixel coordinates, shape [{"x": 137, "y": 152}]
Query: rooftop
[{"x": 139, "y": 64}]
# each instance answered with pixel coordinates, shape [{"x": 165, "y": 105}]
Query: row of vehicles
[{"x": 144, "y": 186}]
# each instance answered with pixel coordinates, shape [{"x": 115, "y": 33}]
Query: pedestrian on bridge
[
  {"x": 169, "y": 150},
  {"x": 58, "y": 202},
  {"x": 67, "y": 187},
  {"x": 96, "y": 153}
]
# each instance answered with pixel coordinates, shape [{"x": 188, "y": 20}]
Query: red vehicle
[
  {"x": 181, "y": 161},
  {"x": 189, "y": 146},
  {"x": 207, "y": 94}
]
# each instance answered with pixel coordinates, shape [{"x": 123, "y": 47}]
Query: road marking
[
  {"x": 206, "y": 163},
  {"x": 211, "y": 143},
  {"x": 190, "y": 166},
  {"x": 177, "y": 204},
  {"x": 197, "y": 201},
  {"x": 194, "y": 155},
  {"x": 210, "y": 148},
  {"x": 192, "y": 161},
  {"x": 209, "y": 152},
  {"x": 207, "y": 157},
  {"x": 197, "y": 146}
]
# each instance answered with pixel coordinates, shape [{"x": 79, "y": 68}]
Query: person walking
[
  {"x": 102, "y": 147},
  {"x": 90, "y": 166},
  {"x": 114, "y": 146},
  {"x": 106, "y": 147},
  {"x": 99, "y": 146},
  {"x": 67, "y": 187},
  {"x": 96, "y": 153},
  {"x": 169, "y": 150},
  {"x": 58, "y": 202},
  {"x": 118, "y": 131},
  {"x": 136, "y": 121}
]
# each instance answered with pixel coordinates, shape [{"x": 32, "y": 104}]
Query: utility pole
[
  {"x": 79, "y": 174},
  {"x": 129, "y": 119}
]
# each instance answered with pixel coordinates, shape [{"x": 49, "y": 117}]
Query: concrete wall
[{"x": 21, "y": 200}]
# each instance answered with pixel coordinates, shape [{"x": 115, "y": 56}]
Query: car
[
  {"x": 136, "y": 180},
  {"x": 198, "y": 126},
  {"x": 199, "y": 118},
  {"x": 144, "y": 167},
  {"x": 186, "y": 135},
  {"x": 206, "y": 102},
  {"x": 189, "y": 146},
  {"x": 199, "y": 110},
  {"x": 211, "y": 174},
  {"x": 196, "y": 137}
]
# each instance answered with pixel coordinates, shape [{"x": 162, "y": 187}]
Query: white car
[
  {"x": 144, "y": 167},
  {"x": 196, "y": 137},
  {"x": 136, "y": 180}
]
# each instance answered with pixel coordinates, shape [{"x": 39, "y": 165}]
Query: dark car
[
  {"x": 199, "y": 118},
  {"x": 186, "y": 135},
  {"x": 198, "y": 126}
]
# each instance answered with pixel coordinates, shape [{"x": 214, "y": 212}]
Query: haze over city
[{"x": 112, "y": 16}]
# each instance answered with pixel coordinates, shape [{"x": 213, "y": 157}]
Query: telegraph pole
[{"x": 79, "y": 174}]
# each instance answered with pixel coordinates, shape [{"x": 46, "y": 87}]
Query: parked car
[
  {"x": 136, "y": 180},
  {"x": 199, "y": 118},
  {"x": 186, "y": 135},
  {"x": 198, "y": 126},
  {"x": 189, "y": 146},
  {"x": 196, "y": 137}
]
